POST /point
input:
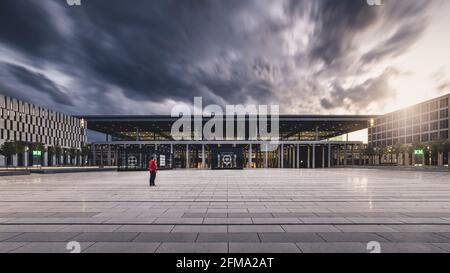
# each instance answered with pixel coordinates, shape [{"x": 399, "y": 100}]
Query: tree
[
  {"x": 369, "y": 151},
  {"x": 437, "y": 147},
  {"x": 85, "y": 151},
  {"x": 403, "y": 150},
  {"x": 379, "y": 153},
  {"x": 51, "y": 150},
  {"x": 72, "y": 152},
  {"x": 397, "y": 150},
  {"x": 37, "y": 146},
  {"x": 8, "y": 149},
  {"x": 58, "y": 150},
  {"x": 20, "y": 146}
]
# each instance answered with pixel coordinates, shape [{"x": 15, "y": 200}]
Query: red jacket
[{"x": 152, "y": 166}]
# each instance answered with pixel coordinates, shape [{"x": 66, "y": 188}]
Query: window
[
  {"x": 434, "y": 115},
  {"x": 409, "y": 139},
  {"x": 434, "y": 136},
  {"x": 444, "y": 124},
  {"x": 409, "y": 131},
  {"x": 434, "y": 126},
  {"x": 444, "y": 113},
  {"x": 444, "y": 102},
  {"x": 434, "y": 105}
]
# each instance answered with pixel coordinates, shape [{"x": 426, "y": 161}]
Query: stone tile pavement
[{"x": 322, "y": 210}]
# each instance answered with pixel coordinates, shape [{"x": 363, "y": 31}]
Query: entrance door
[{"x": 227, "y": 158}]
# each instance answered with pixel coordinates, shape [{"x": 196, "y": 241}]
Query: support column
[
  {"x": 171, "y": 156},
  {"x": 14, "y": 160},
  {"x": 292, "y": 149},
  {"x": 352, "y": 154},
  {"x": 279, "y": 157},
  {"x": 345, "y": 154},
  {"x": 329, "y": 155},
  {"x": 266, "y": 159},
  {"x": 25, "y": 159},
  {"x": 288, "y": 154},
  {"x": 109, "y": 155},
  {"x": 203, "y": 156},
  {"x": 140, "y": 157},
  {"x": 187, "y": 156},
  {"x": 338, "y": 155},
  {"x": 101, "y": 156},
  {"x": 323, "y": 156},
  {"x": 93, "y": 155},
  {"x": 309, "y": 155},
  {"x": 314, "y": 156},
  {"x": 250, "y": 156},
  {"x": 282, "y": 156},
  {"x": 298, "y": 156}
]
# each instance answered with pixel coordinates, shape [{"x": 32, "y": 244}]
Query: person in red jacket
[{"x": 152, "y": 168}]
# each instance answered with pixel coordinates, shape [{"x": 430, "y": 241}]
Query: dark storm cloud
[
  {"x": 26, "y": 26},
  {"x": 362, "y": 95},
  {"x": 404, "y": 19},
  {"x": 339, "y": 21},
  {"x": 225, "y": 51},
  {"x": 34, "y": 81}
]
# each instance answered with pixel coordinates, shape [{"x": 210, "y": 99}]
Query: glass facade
[{"x": 421, "y": 123}]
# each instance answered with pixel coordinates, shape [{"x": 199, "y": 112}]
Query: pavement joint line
[
  {"x": 318, "y": 234},
  {"x": 237, "y": 224},
  {"x": 378, "y": 233},
  {"x": 231, "y": 202}
]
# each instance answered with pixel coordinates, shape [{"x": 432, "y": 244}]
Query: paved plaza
[{"x": 290, "y": 210}]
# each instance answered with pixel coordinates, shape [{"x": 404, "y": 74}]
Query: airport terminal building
[{"x": 304, "y": 142}]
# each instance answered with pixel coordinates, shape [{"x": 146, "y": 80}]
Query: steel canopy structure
[{"x": 291, "y": 127}]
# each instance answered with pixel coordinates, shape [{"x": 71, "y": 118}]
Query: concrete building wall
[{"x": 27, "y": 123}]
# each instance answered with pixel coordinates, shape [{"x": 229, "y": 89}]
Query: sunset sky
[{"x": 144, "y": 57}]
